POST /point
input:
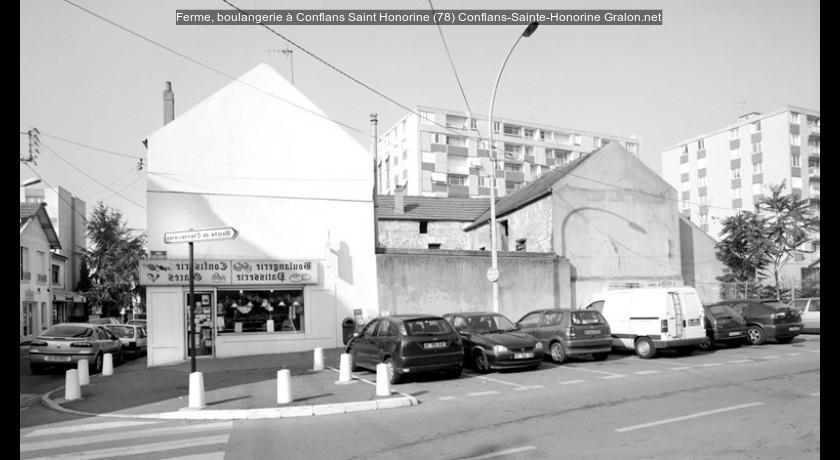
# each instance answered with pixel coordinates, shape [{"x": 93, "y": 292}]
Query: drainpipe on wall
[{"x": 168, "y": 104}]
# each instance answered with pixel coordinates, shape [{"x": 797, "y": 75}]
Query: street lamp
[
  {"x": 30, "y": 181},
  {"x": 493, "y": 273}
]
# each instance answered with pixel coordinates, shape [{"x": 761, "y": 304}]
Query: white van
[{"x": 651, "y": 319}]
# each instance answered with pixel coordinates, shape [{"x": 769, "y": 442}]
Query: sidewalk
[{"x": 235, "y": 388}]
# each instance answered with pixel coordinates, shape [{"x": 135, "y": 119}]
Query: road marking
[
  {"x": 124, "y": 435},
  {"x": 501, "y": 381},
  {"x": 501, "y": 452},
  {"x": 710, "y": 365},
  {"x": 571, "y": 382},
  {"x": 87, "y": 427},
  {"x": 483, "y": 393},
  {"x": 135, "y": 450},
  {"x": 684, "y": 368},
  {"x": 741, "y": 361},
  {"x": 646, "y": 372},
  {"x": 592, "y": 371},
  {"x": 794, "y": 354},
  {"x": 769, "y": 357},
  {"x": 532, "y": 387},
  {"x": 614, "y": 376},
  {"x": 688, "y": 417},
  {"x": 209, "y": 456}
]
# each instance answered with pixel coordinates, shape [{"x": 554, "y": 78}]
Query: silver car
[
  {"x": 66, "y": 344},
  {"x": 132, "y": 336}
]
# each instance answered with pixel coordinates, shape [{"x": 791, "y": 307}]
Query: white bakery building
[{"x": 259, "y": 158}]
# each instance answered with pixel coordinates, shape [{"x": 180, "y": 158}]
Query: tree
[
  {"x": 789, "y": 224},
  {"x": 745, "y": 250},
  {"x": 113, "y": 258}
]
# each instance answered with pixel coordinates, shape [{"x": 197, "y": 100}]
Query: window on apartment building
[
  {"x": 434, "y": 245},
  {"x": 546, "y": 136},
  {"x": 734, "y": 133},
  {"x": 704, "y": 200},
  {"x": 735, "y": 173},
  {"x": 56, "y": 272},
  {"x": 396, "y": 160},
  {"x": 438, "y": 138},
  {"x": 685, "y": 186},
  {"x": 473, "y": 124},
  {"x": 576, "y": 139},
  {"x": 794, "y": 118},
  {"x": 24, "y": 260},
  {"x": 529, "y": 151},
  {"x": 511, "y": 130},
  {"x": 702, "y": 181},
  {"x": 424, "y": 227},
  {"x": 456, "y": 141},
  {"x": 755, "y": 127},
  {"x": 631, "y": 148},
  {"x": 684, "y": 150},
  {"x": 405, "y": 155},
  {"x": 456, "y": 180},
  {"x": 513, "y": 150},
  {"x": 426, "y": 118},
  {"x": 737, "y": 210},
  {"x": 514, "y": 167},
  {"x": 528, "y": 133},
  {"x": 497, "y": 127},
  {"x": 701, "y": 144},
  {"x": 484, "y": 181},
  {"x": 757, "y": 168},
  {"x": 794, "y": 139},
  {"x": 736, "y": 193},
  {"x": 756, "y": 147},
  {"x": 735, "y": 153},
  {"x": 795, "y": 161}
]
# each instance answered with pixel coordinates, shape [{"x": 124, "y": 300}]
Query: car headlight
[
  {"x": 499, "y": 349},
  {"x": 538, "y": 346}
]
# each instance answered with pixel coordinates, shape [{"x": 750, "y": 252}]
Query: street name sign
[{"x": 207, "y": 234}]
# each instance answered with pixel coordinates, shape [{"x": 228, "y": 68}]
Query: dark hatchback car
[
  {"x": 569, "y": 333},
  {"x": 724, "y": 326},
  {"x": 767, "y": 320},
  {"x": 407, "y": 344},
  {"x": 492, "y": 341}
]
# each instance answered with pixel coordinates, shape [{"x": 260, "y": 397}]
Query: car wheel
[
  {"x": 482, "y": 365},
  {"x": 784, "y": 339},
  {"x": 756, "y": 335},
  {"x": 707, "y": 345},
  {"x": 685, "y": 351},
  {"x": 600, "y": 356},
  {"x": 37, "y": 369},
  {"x": 97, "y": 363},
  {"x": 455, "y": 372},
  {"x": 393, "y": 373},
  {"x": 558, "y": 353},
  {"x": 645, "y": 348}
]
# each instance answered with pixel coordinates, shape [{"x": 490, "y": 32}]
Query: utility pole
[
  {"x": 288, "y": 53},
  {"x": 373, "y": 123}
]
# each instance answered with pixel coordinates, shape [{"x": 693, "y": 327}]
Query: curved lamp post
[{"x": 493, "y": 273}]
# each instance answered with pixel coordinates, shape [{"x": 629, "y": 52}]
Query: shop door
[{"x": 205, "y": 317}]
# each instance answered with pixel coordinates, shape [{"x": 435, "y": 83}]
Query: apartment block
[{"x": 437, "y": 152}]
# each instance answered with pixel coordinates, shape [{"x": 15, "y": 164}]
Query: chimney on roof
[
  {"x": 399, "y": 199},
  {"x": 168, "y": 104}
]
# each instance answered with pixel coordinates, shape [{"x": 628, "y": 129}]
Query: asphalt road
[{"x": 746, "y": 403}]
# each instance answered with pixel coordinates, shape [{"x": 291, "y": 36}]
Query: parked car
[
  {"x": 132, "y": 336},
  {"x": 724, "y": 326},
  {"x": 106, "y": 320},
  {"x": 650, "y": 319},
  {"x": 809, "y": 308},
  {"x": 492, "y": 341},
  {"x": 569, "y": 333},
  {"x": 407, "y": 344},
  {"x": 767, "y": 320},
  {"x": 65, "y": 344}
]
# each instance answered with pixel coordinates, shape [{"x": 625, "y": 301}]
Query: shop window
[{"x": 250, "y": 310}]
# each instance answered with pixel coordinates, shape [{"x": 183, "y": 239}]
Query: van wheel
[
  {"x": 707, "y": 345},
  {"x": 558, "y": 353},
  {"x": 756, "y": 335},
  {"x": 645, "y": 348}
]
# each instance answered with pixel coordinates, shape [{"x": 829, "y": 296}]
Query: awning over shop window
[{"x": 63, "y": 295}]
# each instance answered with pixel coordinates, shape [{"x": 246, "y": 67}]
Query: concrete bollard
[
  {"x": 269, "y": 325},
  {"x": 72, "y": 389},
  {"x": 108, "y": 364},
  {"x": 344, "y": 369},
  {"x": 383, "y": 383},
  {"x": 84, "y": 372},
  {"x": 318, "y": 364},
  {"x": 284, "y": 386},
  {"x": 196, "y": 390}
]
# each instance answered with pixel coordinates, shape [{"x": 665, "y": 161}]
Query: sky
[{"x": 91, "y": 82}]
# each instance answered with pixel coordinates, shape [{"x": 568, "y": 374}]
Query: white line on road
[
  {"x": 688, "y": 417},
  {"x": 794, "y": 354},
  {"x": 136, "y": 450},
  {"x": 483, "y": 393},
  {"x": 610, "y": 377},
  {"x": 501, "y": 452},
  {"x": 589, "y": 370},
  {"x": 646, "y": 372},
  {"x": 86, "y": 427},
  {"x": 208, "y": 456},
  {"x": 769, "y": 357},
  {"x": 500, "y": 381},
  {"x": 710, "y": 365},
  {"x": 571, "y": 382},
  {"x": 683, "y": 368},
  {"x": 741, "y": 361},
  {"x": 532, "y": 387},
  {"x": 118, "y": 436}
]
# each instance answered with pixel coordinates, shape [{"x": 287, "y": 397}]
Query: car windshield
[
  {"x": 491, "y": 323},
  {"x": 721, "y": 311},
  {"x": 587, "y": 317},
  {"x": 122, "y": 331},
  {"x": 427, "y": 326},
  {"x": 68, "y": 331}
]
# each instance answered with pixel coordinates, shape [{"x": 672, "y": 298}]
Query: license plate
[
  {"x": 595, "y": 332},
  {"x": 523, "y": 355},
  {"x": 57, "y": 358},
  {"x": 433, "y": 345},
  {"x": 734, "y": 333},
  {"x": 794, "y": 328}
]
